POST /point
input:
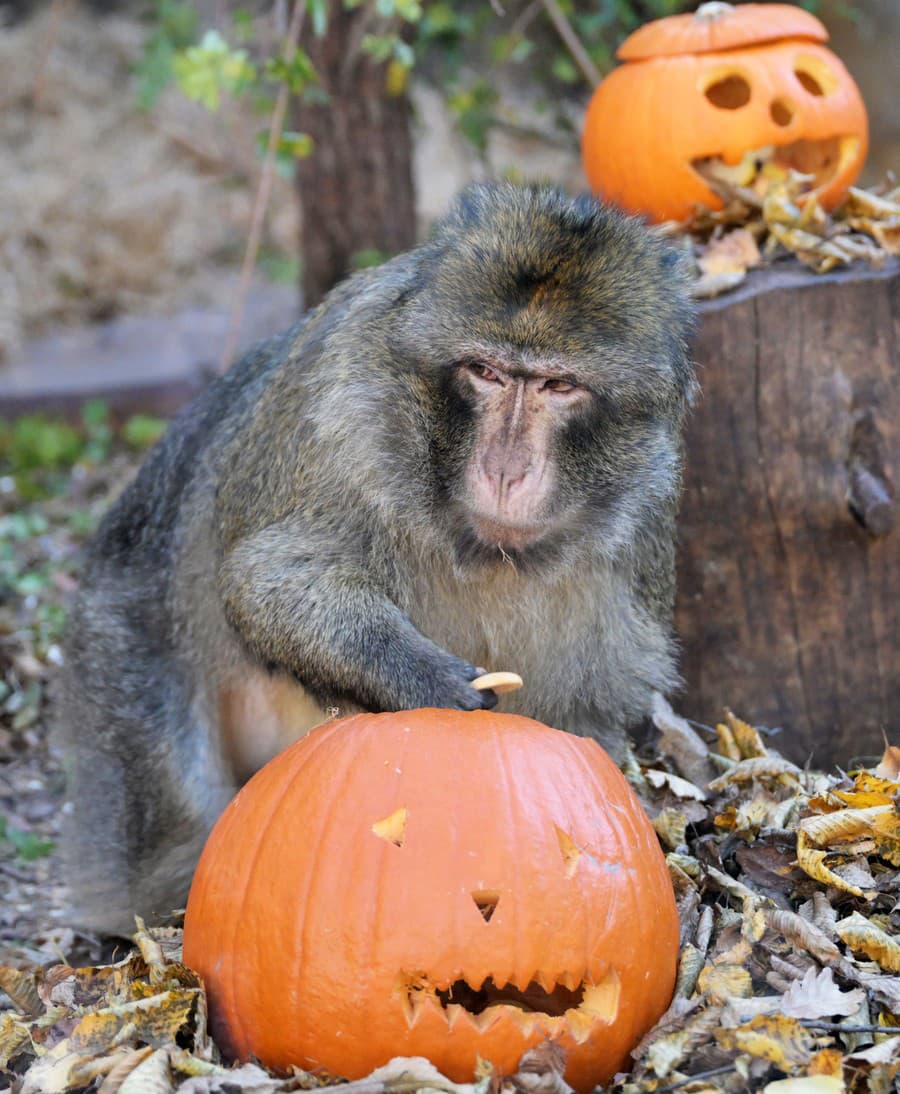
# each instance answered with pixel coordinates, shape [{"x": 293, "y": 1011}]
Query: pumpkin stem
[{"x": 712, "y": 11}]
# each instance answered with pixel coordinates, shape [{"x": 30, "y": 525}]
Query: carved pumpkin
[
  {"x": 436, "y": 884},
  {"x": 721, "y": 93}
]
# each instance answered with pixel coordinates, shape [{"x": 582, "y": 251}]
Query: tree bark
[
  {"x": 356, "y": 189},
  {"x": 789, "y": 560}
]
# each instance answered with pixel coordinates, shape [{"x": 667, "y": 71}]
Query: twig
[
  {"x": 526, "y": 17},
  {"x": 572, "y": 42},
  {"x": 263, "y": 192},
  {"x": 836, "y": 1027},
  {"x": 57, "y": 9},
  {"x": 699, "y": 1077}
]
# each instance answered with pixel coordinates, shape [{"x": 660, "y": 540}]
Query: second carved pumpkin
[{"x": 718, "y": 93}]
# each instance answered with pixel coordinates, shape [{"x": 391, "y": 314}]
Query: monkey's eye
[
  {"x": 483, "y": 372},
  {"x": 559, "y": 387}
]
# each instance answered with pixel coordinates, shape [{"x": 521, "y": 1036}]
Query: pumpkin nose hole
[
  {"x": 486, "y": 901},
  {"x": 729, "y": 93},
  {"x": 781, "y": 113},
  {"x": 392, "y": 827}
]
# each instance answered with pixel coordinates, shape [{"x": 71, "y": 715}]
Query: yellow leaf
[
  {"x": 782, "y": 1041},
  {"x": 14, "y": 1035},
  {"x": 869, "y": 790},
  {"x": 807, "y": 1084},
  {"x": 828, "y": 828},
  {"x": 886, "y": 831},
  {"x": 724, "y": 982},
  {"x": 748, "y": 740},
  {"x": 862, "y": 936},
  {"x": 830, "y": 1061},
  {"x": 727, "y": 744},
  {"x": 813, "y": 863}
]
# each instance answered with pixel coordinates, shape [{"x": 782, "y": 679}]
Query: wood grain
[{"x": 788, "y": 607}]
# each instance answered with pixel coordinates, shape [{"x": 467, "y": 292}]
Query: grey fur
[{"x": 296, "y": 523}]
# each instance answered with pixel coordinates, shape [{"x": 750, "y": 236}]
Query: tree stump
[{"x": 789, "y": 549}]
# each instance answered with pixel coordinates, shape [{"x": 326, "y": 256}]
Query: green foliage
[
  {"x": 37, "y": 452},
  {"x": 143, "y": 430},
  {"x": 367, "y": 257},
  {"x": 281, "y": 268},
  {"x": 175, "y": 27},
  {"x": 27, "y": 845},
  {"x": 208, "y": 71},
  {"x": 290, "y": 147}
]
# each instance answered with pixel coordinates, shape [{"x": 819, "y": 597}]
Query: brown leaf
[{"x": 22, "y": 989}]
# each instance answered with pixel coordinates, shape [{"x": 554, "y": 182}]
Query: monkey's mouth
[
  {"x": 509, "y": 537},
  {"x": 571, "y": 1005}
]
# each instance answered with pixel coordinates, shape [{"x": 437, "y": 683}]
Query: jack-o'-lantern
[
  {"x": 728, "y": 92},
  {"x": 434, "y": 883}
]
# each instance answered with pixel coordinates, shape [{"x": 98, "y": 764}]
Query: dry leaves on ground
[{"x": 789, "y": 976}]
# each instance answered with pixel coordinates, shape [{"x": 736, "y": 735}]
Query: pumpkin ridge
[
  {"x": 303, "y": 921},
  {"x": 235, "y": 1012}
]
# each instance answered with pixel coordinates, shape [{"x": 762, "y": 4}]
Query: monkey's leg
[
  {"x": 144, "y": 782},
  {"x": 303, "y": 610}
]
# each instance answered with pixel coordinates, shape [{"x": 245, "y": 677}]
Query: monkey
[{"x": 466, "y": 458}]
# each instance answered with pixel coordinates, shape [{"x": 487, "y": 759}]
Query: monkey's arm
[{"x": 308, "y": 612}]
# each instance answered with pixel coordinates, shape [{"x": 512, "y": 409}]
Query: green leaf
[
  {"x": 318, "y": 11},
  {"x": 290, "y": 147},
  {"x": 142, "y": 430},
  {"x": 367, "y": 257},
  {"x": 297, "y": 71},
  {"x": 28, "y": 846},
  {"x": 207, "y": 71}
]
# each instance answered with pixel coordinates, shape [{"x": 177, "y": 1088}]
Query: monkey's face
[
  {"x": 508, "y": 492},
  {"x": 545, "y": 342}
]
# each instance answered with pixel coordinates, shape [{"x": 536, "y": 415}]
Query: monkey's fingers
[{"x": 498, "y": 681}]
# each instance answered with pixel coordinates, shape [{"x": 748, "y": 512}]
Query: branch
[
  {"x": 572, "y": 42},
  {"x": 263, "y": 192}
]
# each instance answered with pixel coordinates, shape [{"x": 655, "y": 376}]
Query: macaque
[{"x": 466, "y": 459}]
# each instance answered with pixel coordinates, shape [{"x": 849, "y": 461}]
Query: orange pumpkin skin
[
  {"x": 650, "y": 119},
  {"x": 521, "y": 855}
]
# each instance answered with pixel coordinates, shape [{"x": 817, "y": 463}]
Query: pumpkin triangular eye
[
  {"x": 392, "y": 827},
  {"x": 486, "y": 901},
  {"x": 569, "y": 849}
]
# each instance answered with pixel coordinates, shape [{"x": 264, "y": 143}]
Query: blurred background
[{"x": 133, "y": 138}]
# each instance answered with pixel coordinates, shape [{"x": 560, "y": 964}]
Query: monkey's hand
[{"x": 303, "y": 610}]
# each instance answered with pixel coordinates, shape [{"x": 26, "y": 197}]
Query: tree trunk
[
  {"x": 356, "y": 189},
  {"x": 789, "y": 584}
]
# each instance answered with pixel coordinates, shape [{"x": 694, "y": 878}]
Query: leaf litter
[
  {"x": 774, "y": 216},
  {"x": 787, "y": 885}
]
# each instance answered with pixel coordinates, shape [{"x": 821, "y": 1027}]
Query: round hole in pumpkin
[
  {"x": 780, "y": 112},
  {"x": 729, "y": 92},
  {"x": 814, "y": 76}
]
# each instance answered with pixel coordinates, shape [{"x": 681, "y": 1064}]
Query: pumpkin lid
[{"x": 716, "y": 26}]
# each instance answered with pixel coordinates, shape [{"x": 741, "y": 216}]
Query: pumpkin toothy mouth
[
  {"x": 573, "y": 1005},
  {"x": 820, "y": 160}
]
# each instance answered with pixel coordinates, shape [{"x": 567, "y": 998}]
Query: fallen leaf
[
  {"x": 780, "y": 1040},
  {"x": 863, "y": 936},
  {"x": 889, "y": 767},
  {"x": 817, "y": 996}
]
